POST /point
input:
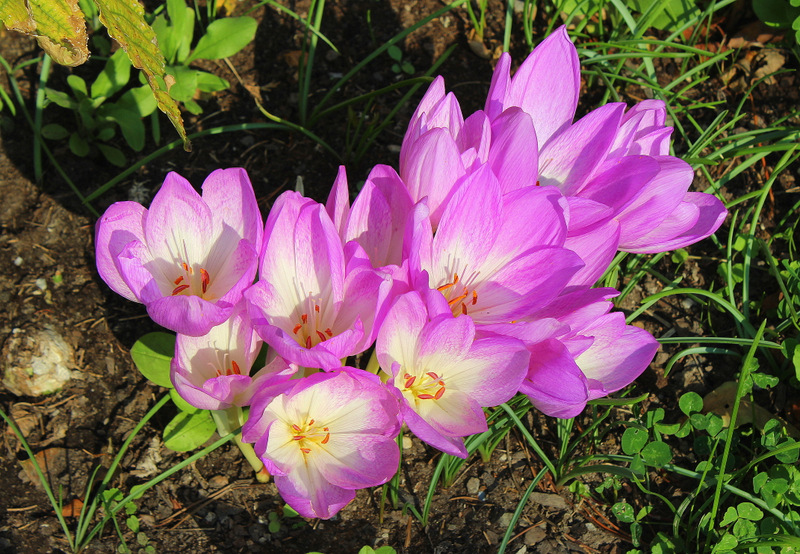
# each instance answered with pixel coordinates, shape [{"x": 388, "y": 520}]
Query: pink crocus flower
[
  {"x": 325, "y": 436},
  {"x": 187, "y": 258},
  {"x": 487, "y": 259},
  {"x": 442, "y": 376},
  {"x": 579, "y": 351},
  {"x": 315, "y": 302},
  {"x": 618, "y": 158},
  {"x": 212, "y": 372}
]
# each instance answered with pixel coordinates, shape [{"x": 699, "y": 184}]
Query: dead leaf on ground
[
  {"x": 720, "y": 401},
  {"x": 755, "y": 33},
  {"x": 767, "y": 62},
  {"x": 72, "y": 508},
  {"x": 52, "y": 461}
]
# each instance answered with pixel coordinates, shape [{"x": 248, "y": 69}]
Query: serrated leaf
[
  {"x": 125, "y": 22},
  {"x": 61, "y": 30},
  {"x": 152, "y": 355},
  {"x": 115, "y": 75},
  {"x": 223, "y": 38},
  {"x": 188, "y": 431},
  {"x": 16, "y": 16}
]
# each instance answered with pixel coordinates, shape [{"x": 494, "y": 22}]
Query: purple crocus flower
[
  {"x": 325, "y": 436},
  {"x": 442, "y": 376},
  {"x": 611, "y": 156},
  {"x": 212, "y": 372},
  {"x": 316, "y": 301},
  {"x": 188, "y": 258},
  {"x": 487, "y": 259}
]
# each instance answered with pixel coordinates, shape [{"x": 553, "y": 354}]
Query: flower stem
[{"x": 230, "y": 420}]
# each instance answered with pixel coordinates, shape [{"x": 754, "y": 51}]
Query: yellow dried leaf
[
  {"x": 61, "y": 30},
  {"x": 125, "y": 22},
  {"x": 720, "y": 401},
  {"x": 15, "y": 16}
]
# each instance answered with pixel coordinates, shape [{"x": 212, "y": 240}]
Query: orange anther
[
  {"x": 438, "y": 394},
  {"x": 305, "y": 450},
  {"x": 321, "y": 336},
  {"x": 205, "y": 280},
  {"x": 308, "y": 342},
  {"x": 296, "y": 428},
  {"x": 410, "y": 382},
  {"x": 329, "y": 332},
  {"x": 179, "y": 289},
  {"x": 432, "y": 375},
  {"x": 298, "y": 437},
  {"x": 297, "y": 328},
  {"x": 304, "y": 318},
  {"x": 178, "y": 280},
  {"x": 444, "y": 287},
  {"x": 326, "y": 439},
  {"x": 185, "y": 267},
  {"x": 457, "y": 299},
  {"x": 235, "y": 368},
  {"x": 425, "y": 396},
  {"x": 464, "y": 309},
  {"x": 316, "y": 308},
  {"x": 311, "y": 422},
  {"x": 455, "y": 278},
  {"x": 474, "y": 297}
]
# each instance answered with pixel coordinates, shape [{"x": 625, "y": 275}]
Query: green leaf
[
  {"x": 730, "y": 516},
  {"x": 182, "y": 19},
  {"x": 54, "y": 131},
  {"x": 189, "y": 431},
  {"x": 61, "y": 30},
  {"x": 789, "y": 456},
  {"x": 633, "y": 440},
  {"x": 133, "y": 523},
  {"x": 112, "y": 154},
  {"x": 690, "y": 403},
  {"x": 748, "y": 510},
  {"x": 105, "y": 134},
  {"x": 152, "y": 355},
  {"x": 366, "y": 550},
  {"x": 385, "y": 549},
  {"x": 60, "y": 98},
  {"x": 223, "y": 38},
  {"x": 78, "y": 146},
  {"x": 657, "y": 453},
  {"x": 125, "y": 22},
  {"x": 78, "y": 86},
  {"x": 208, "y": 82},
  {"x": 115, "y": 75},
  {"x": 624, "y": 512},
  {"x": 775, "y": 13},
  {"x": 130, "y": 123},
  {"x": 139, "y": 100},
  {"x": 726, "y": 542},
  {"x": 182, "y": 404},
  {"x": 185, "y": 82},
  {"x": 395, "y": 53}
]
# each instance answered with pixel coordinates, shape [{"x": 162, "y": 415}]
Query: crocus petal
[
  {"x": 547, "y": 85},
  {"x": 121, "y": 224},
  {"x": 511, "y": 157},
  {"x": 338, "y": 204},
  {"x": 446, "y": 443},
  {"x": 618, "y": 355},
  {"x": 230, "y": 197},
  {"x": 696, "y": 218},
  {"x": 311, "y": 496},
  {"x": 555, "y": 383},
  {"x": 190, "y": 315},
  {"x": 432, "y": 168},
  {"x": 571, "y": 156},
  {"x": 179, "y": 225}
]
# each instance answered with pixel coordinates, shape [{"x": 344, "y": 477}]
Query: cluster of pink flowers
[{"x": 470, "y": 271}]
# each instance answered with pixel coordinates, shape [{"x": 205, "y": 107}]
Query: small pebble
[
  {"x": 407, "y": 443},
  {"x": 473, "y": 485},
  {"x": 41, "y": 283},
  {"x": 218, "y": 481},
  {"x": 18, "y": 261},
  {"x": 505, "y": 520}
]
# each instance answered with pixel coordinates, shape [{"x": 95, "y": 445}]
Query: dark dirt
[{"x": 46, "y": 238}]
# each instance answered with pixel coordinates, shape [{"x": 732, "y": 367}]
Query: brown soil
[{"x": 46, "y": 236}]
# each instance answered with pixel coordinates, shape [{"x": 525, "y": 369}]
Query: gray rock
[
  {"x": 473, "y": 486},
  {"x": 36, "y": 362}
]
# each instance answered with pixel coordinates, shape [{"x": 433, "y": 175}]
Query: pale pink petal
[{"x": 121, "y": 224}]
